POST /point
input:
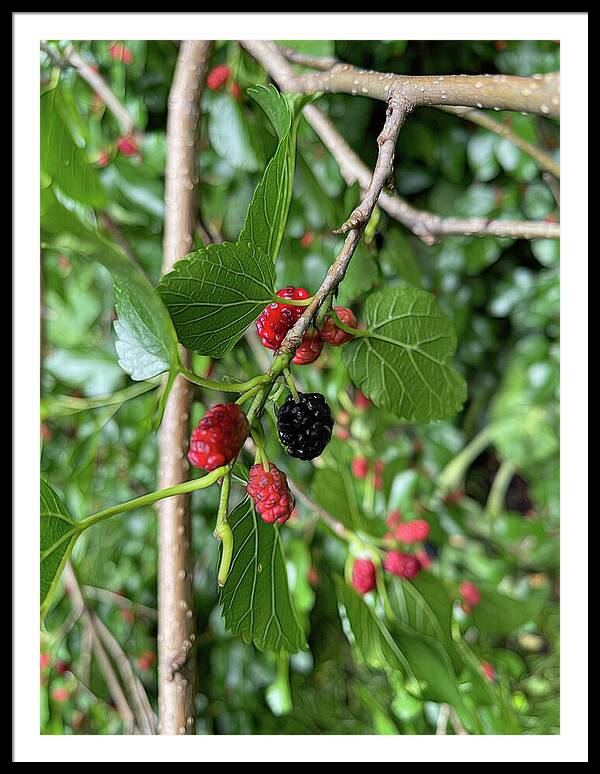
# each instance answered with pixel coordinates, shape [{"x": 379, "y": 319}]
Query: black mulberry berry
[{"x": 305, "y": 427}]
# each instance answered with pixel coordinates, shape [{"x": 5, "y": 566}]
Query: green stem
[
  {"x": 257, "y": 437},
  {"x": 452, "y": 475},
  {"x": 223, "y": 532},
  {"x": 210, "y": 384},
  {"x": 153, "y": 497},
  {"x": 342, "y": 326},
  {"x": 249, "y": 394},
  {"x": 293, "y": 301},
  {"x": 63, "y": 405},
  {"x": 495, "y": 501},
  {"x": 290, "y": 383}
]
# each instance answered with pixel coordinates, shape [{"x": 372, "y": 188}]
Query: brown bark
[{"x": 176, "y": 629}]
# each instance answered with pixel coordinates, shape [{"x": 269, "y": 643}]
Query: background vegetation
[{"x": 498, "y": 522}]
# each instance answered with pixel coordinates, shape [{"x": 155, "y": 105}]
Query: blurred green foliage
[{"x": 502, "y": 297}]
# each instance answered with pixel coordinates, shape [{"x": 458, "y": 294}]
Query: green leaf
[
  {"x": 275, "y": 107},
  {"x": 268, "y": 210},
  {"x": 500, "y": 615},
  {"x": 397, "y": 647},
  {"x": 256, "y": 599},
  {"x": 424, "y": 605},
  {"x": 58, "y": 533},
  {"x": 333, "y": 488},
  {"x": 229, "y": 133},
  {"x": 63, "y": 160},
  {"x": 371, "y": 640},
  {"x": 214, "y": 294},
  {"x": 404, "y": 364},
  {"x": 146, "y": 339}
]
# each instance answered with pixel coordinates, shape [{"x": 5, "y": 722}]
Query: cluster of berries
[
  {"x": 304, "y": 427},
  {"x": 400, "y": 563},
  {"x": 279, "y": 317},
  {"x": 396, "y": 563}
]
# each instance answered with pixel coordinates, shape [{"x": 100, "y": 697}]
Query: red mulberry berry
[
  {"x": 127, "y": 146},
  {"x": 489, "y": 671},
  {"x": 363, "y": 575},
  {"x": 361, "y": 401},
  {"x": 412, "y": 531},
  {"x": 217, "y": 77},
  {"x": 423, "y": 558},
  {"x": 60, "y": 694},
  {"x": 402, "y": 565},
  {"x": 360, "y": 467},
  {"x": 308, "y": 351},
  {"x": 470, "y": 594},
  {"x": 334, "y": 335},
  {"x": 120, "y": 53},
  {"x": 307, "y": 239},
  {"x": 277, "y": 319},
  {"x": 219, "y": 436},
  {"x": 393, "y": 519},
  {"x": 236, "y": 91},
  {"x": 270, "y": 493}
]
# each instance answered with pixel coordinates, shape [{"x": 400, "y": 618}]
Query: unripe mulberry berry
[
  {"x": 219, "y": 436},
  {"x": 360, "y": 467},
  {"x": 403, "y": 565},
  {"x": 363, "y": 575},
  {"x": 270, "y": 493},
  {"x": 305, "y": 427},
  {"x": 334, "y": 335},
  {"x": 470, "y": 594},
  {"x": 309, "y": 350},
  {"x": 278, "y": 318},
  {"x": 217, "y": 77},
  {"x": 412, "y": 531},
  {"x": 60, "y": 694}
]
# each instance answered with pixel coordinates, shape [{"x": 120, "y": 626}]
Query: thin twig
[
  {"x": 397, "y": 110},
  {"x": 307, "y": 60},
  {"x": 102, "y": 89},
  {"x": 442, "y": 721},
  {"x": 429, "y": 227},
  {"x": 334, "y": 525},
  {"x": 458, "y": 727},
  {"x": 144, "y": 714},
  {"x": 104, "y": 663},
  {"x": 120, "y": 601},
  {"x": 542, "y": 159}
]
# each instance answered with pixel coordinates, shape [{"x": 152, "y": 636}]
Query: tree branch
[
  {"x": 99, "y": 85},
  {"x": 536, "y": 94},
  {"x": 176, "y": 631},
  {"x": 427, "y": 226},
  {"x": 397, "y": 110}
]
